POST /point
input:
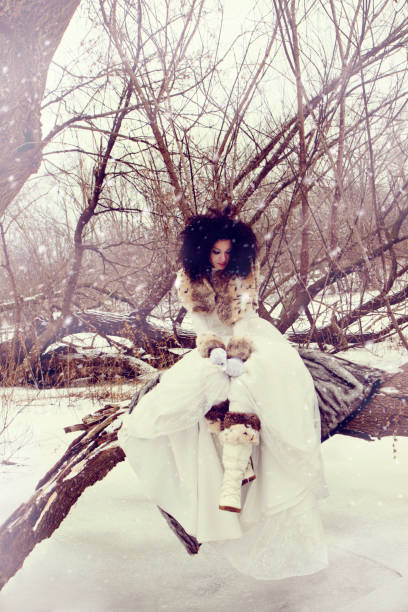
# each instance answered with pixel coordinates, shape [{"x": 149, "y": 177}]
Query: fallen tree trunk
[
  {"x": 343, "y": 389},
  {"x": 152, "y": 339},
  {"x": 61, "y": 366},
  {"x": 341, "y": 340},
  {"x": 67, "y": 367},
  {"x": 88, "y": 459}
]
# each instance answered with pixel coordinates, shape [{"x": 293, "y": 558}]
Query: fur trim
[
  {"x": 240, "y": 347},
  {"x": 215, "y": 416},
  {"x": 250, "y": 419},
  {"x": 196, "y": 296},
  {"x": 207, "y": 342},
  {"x": 230, "y": 296},
  {"x": 239, "y": 434},
  {"x": 218, "y": 411}
]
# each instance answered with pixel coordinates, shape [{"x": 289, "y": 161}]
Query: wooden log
[
  {"x": 60, "y": 366},
  {"x": 385, "y": 415},
  {"x": 343, "y": 388},
  {"x": 88, "y": 459}
]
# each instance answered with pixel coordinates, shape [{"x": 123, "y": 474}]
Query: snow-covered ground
[{"x": 114, "y": 552}]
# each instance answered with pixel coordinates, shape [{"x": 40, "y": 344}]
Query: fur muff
[
  {"x": 240, "y": 347},
  {"x": 230, "y": 296},
  {"x": 206, "y": 343}
]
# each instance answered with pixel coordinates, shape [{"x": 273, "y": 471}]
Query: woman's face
[{"x": 220, "y": 254}]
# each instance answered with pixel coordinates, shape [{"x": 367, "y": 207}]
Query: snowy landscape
[
  {"x": 121, "y": 120},
  {"x": 114, "y": 552}
]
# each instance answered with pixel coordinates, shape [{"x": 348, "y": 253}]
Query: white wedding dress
[{"x": 166, "y": 439}]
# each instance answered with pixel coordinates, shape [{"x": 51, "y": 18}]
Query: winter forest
[{"x": 120, "y": 120}]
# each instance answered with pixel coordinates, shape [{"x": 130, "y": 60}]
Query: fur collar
[{"x": 230, "y": 296}]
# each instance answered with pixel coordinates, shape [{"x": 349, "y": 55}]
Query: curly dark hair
[{"x": 200, "y": 235}]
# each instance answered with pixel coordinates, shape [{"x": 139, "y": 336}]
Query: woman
[{"x": 242, "y": 400}]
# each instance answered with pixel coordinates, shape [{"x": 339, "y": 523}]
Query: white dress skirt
[{"x": 178, "y": 461}]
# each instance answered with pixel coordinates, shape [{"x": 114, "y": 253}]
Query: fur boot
[{"x": 215, "y": 419}]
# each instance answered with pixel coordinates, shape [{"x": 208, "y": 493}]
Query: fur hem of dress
[{"x": 231, "y": 297}]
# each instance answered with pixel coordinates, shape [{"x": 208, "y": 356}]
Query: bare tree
[
  {"x": 308, "y": 171},
  {"x": 30, "y": 32}
]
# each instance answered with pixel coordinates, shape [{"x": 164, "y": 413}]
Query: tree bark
[
  {"x": 88, "y": 459},
  {"x": 30, "y": 33}
]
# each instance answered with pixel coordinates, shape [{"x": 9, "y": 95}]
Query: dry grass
[{"x": 10, "y": 409}]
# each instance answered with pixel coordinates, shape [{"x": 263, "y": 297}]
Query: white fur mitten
[
  {"x": 218, "y": 356},
  {"x": 235, "y": 367}
]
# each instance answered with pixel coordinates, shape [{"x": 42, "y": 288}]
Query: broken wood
[{"x": 88, "y": 459}]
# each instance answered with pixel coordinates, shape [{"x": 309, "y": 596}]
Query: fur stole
[{"x": 230, "y": 296}]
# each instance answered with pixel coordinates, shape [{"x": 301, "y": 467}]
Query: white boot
[
  {"x": 240, "y": 432},
  {"x": 235, "y": 459}
]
